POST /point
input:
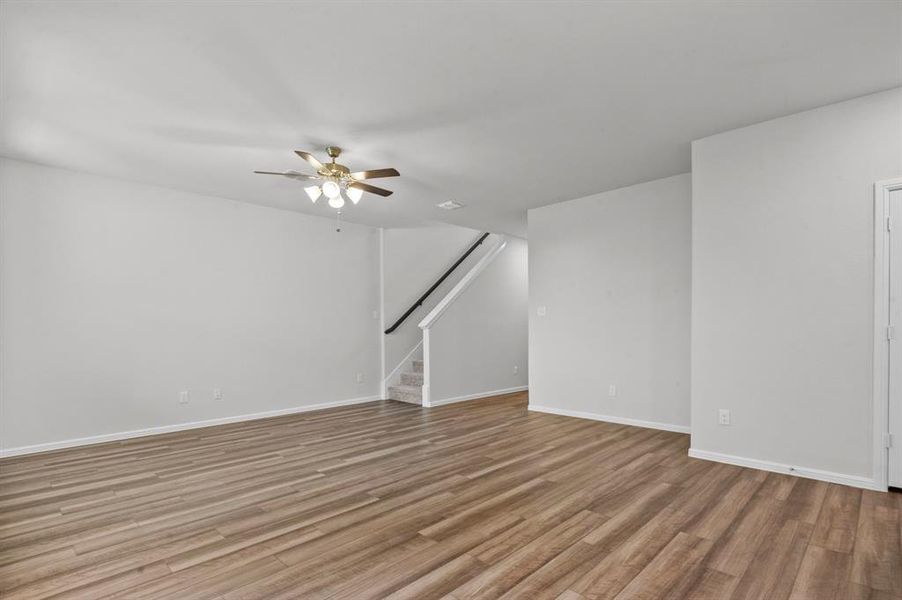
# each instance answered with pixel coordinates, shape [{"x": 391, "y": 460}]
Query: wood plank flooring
[{"x": 475, "y": 500}]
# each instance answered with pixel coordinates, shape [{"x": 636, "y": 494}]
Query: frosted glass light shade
[
  {"x": 337, "y": 201},
  {"x": 354, "y": 194},
  {"x": 331, "y": 189},
  {"x": 313, "y": 192}
]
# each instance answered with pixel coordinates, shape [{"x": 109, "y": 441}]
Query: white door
[{"x": 895, "y": 349}]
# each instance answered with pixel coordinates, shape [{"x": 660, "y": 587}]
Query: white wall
[
  {"x": 476, "y": 343},
  {"x": 782, "y": 284},
  {"x": 413, "y": 259},
  {"x": 116, "y": 296},
  {"x": 613, "y": 271}
]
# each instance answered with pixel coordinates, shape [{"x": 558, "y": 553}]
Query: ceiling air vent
[{"x": 450, "y": 205}]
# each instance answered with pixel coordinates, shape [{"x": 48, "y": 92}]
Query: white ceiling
[{"x": 502, "y": 106}]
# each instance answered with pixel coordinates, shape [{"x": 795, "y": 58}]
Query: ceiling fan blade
[
  {"x": 374, "y": 173},
  {"x": 310, "y": 159},
  {"x": 369, "y": 188},
  {"x": 289, "y": 174}
]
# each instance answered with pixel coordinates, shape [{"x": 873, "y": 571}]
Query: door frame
[{"x": 882, "y": 191}]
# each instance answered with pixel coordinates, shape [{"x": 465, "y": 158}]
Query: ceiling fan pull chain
[{"x": 338, "y": 221}]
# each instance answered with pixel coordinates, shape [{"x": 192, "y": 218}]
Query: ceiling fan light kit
[
  {"x": 336, "y": 180},
  {"x": 354, "y": 194},
  {"x": 313, "y": 192}
]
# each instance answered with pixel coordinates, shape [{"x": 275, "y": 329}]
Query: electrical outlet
[
  {"x": 183, "y": 397},
  {"x": 217, "y": 394},
  {"x": 361, "y": 378},
  {"x": 612, "y": 390},
  {"x": 516, "y": 369},
  {"x": 723, "y": 417}
]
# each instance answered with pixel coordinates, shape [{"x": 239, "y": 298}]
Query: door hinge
[
  {"x": 890, "y": 333},
  {"x": 889, "y": 223},
  {"x": 887, "y": 440}
]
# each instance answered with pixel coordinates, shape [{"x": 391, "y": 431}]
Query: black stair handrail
[{"x": 422, "y": 299}]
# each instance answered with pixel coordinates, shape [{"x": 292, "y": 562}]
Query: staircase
[{"x": 411, "y": 388}]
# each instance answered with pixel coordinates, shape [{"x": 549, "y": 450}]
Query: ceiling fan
[{"x": 336, "y": 178}]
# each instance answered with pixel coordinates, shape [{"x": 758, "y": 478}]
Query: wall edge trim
[
  {"x": 477, "y": 396},
  {"x": 867, "y": 483},
  {"x": 610, "y": 418},
  {"x": 137, "y": 433}
]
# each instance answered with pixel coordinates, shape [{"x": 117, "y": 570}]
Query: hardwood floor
[{"x": 474, "y": 500}]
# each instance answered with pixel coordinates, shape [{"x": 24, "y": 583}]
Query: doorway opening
[{"x": 888, "y": 334}]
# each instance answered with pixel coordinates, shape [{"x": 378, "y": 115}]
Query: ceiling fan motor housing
[{"x": 335, "y": 170}]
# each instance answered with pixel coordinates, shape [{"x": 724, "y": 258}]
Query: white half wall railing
[{"x": 436, "y": 313}]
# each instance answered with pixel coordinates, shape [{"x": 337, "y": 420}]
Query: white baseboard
[
  {"x": 521, "y": 388},
  {"x": 764, "y": 465},
  {"x": 125, "y": 435},
  {"x": 610, "y": 418}
]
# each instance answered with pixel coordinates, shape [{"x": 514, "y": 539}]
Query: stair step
[
  {"x": 411, "y": 379},
  {"x": 417, "y": 366},
  {"x": 406, "y": 393}
]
